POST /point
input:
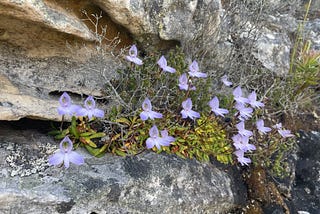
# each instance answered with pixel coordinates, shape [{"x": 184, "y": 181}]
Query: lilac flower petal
[
  {"x": 133, "y": 53},
  {"x": 154, "y": 132},
  {"x": 166, "y": 139},
  {"x": 66, "y": 108},
  {"x": 148, "y": 113},
  {"x": 225, "y": 81},
  {"x": 146, "y": 105},
  {"x": 56, "y": 159},
  {"x": 153, "y": 115},
  {"x": 242, "y": 131},
  {"x": 187, "y": 104},
  {"x": 277, "y": 126},
  {"x": 144, "y": 116},
  {"x": 194, "y": 70},
  {"x": 193, "y": 114},
  {"x": 150, "y": 143},
  {"x": 261, "y": 127},
  {"x": 157, "y": 144},
  {"x": 183, "y": 82},
  {"x": 252, "y": 97},
  {"x": 214, "y": 104},
  {"x": 66, "y": 145},
  {"x": 66, "y": 161},
  {"x": 90, "y": 109},
  {"x": 154, "y": 139},
  {"x": 162, "y": 62},
  {"x": 75, "y": 158},
  {"x": 65, "y": 154},
  {"x": 237, "y": 93},
  {"x": 137, "y": 61},
  {"x": 65, "y": 99},
  {"x": 169, "y": 69},
  {"x": 246, "y": 146},
  {"x": 194, "y": 67},
  {"x": 98, "y": 113},
  {"x": 241, "y": 159},
  {"x": 89, "y": 103},
  {"x": 183, "y": 87},
  {"x": 184, "y": 114},
  {"x": 187, "y": 112},
  {"x": 285, "y": 133},
  {"x": 244, "y": 112}
]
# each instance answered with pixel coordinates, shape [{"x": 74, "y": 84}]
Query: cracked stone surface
[{"x": 147, "y": 183}]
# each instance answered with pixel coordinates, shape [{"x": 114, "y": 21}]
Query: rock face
[
  {"x": 168, "y": 20},
  {"x": 146, "y": 183},
  {"x": 306, "y": 191},
  {"x": 43, "y": 28},
  {"x": 31, "y": 87}
]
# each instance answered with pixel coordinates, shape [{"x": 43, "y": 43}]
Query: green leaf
[
  {"x": 93, "y": 151},
  {"x": 98, "y": 135},
  {"x": 120, "y": 153},
  {"x": 54, "y": 132},
  {"x": 87, "y": 141},
  {"x": 59, "y": 136},
  {"x": 73, "y": 128},
  {"x": 86, "y": 134}
]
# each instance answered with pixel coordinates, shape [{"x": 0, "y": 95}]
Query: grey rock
[
  {"x": 306, "y": 190},
  {"x": 39, "y": 11},
  {"x": 273, "y": 51},
  {"x": 31, "y": 87},
  {"x": 146, "y": 183},
  {"x": 312, "y": 33},
  {"x": 180, "y": 20}
]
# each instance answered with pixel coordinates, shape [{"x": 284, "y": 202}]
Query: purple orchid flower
[
  {"x": 242, "y": 131},
  {"x": 214, "y": 104},
  {"x": 277, "y": 126},
  {"x": 147, "y": 111},
  {"x": 155, "y": 139},
  {"x": 283, "y": 132},
  {"x": 242, "y": 143},
  {"x": 261, "y": 127},
  {"x": 90, "y": 109},
  {"x": 133, "y": 53},
  {"x": 237, "y": 94},
  {"x": 244, "y": 112},
  {"x": 162, "y": 62},
  {"x": 225, "y": 81},
  {"x": 187, "y": 112},
  {"x": 65, "y": 155},
  {"x": 66, "y": 108},
  {"x": 194, "y": 70},
  {"x": 183, "y": 83},
  {"x": 252, "y": 97},
  {"x": 166, "y": 138},
  {"x": 241, "y": 159}
]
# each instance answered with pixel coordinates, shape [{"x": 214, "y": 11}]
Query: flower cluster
[
  {"x": 245, "y": 107},
  {"x": 154, "y": 139},
  {"x": 66, "y": 108}
]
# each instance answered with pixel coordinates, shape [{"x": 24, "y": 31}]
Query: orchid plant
[{"x": 186, "y": 128}]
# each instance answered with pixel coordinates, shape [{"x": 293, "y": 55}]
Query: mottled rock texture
[
  {"x": 146, "y": 183},
  {"x": 31, "y": 87},
  {"x": 181, "y": 20},
  {"x": 306, "y": 190}
]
